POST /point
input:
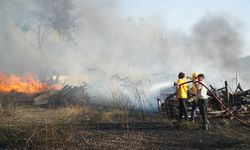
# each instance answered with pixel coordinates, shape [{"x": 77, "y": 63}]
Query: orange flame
[{"x": 27, "y": 84}]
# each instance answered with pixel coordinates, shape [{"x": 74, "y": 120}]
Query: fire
[{"x": 27, "y": 84}]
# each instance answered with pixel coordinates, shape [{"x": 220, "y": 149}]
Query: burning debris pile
[
  {"x": 28, "y": 84},
  {"x": 29, "y": 89}
]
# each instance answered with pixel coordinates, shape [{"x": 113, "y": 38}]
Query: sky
[{"x": 183, "y": 14}]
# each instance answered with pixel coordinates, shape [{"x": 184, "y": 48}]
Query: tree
[{"x": 47, "y": 17}]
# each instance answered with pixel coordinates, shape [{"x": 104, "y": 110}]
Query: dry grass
[{"x": 30, "y": 127}]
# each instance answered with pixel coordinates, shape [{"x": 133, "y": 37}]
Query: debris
[
  {"x": 235, "y": 103},
  {"x": 68, "y": 95}
]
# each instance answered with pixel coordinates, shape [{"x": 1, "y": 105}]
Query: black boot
[{"x": 205, "y": 127}]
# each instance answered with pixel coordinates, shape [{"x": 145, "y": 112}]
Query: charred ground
[{"x": 102, "y": 127}]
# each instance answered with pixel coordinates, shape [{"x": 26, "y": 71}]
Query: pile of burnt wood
[
  {"x": 237, "y": 101},
  {"x": 237, "y": 98},
  {"x": 67, "y": 96}
]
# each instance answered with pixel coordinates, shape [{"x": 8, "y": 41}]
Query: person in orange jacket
[
  {"x": 182, "y": 95},
  {"x": 193, "y": 96}
]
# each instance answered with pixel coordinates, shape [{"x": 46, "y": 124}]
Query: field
[{"x": 101, "y": 127}]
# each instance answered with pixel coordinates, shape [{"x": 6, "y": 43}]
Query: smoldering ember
[{"x": 124, "y": 74}]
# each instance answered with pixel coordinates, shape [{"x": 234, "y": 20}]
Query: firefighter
[
  {"x": 182, "y": 95},
  {"x": 202, "y": 100},
  {"x": 193, "y": 96}
]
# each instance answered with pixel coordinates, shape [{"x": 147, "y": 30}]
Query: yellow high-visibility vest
[{"x": 182, "y": 89}]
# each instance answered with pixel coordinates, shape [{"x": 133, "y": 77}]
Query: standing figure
[
  {"x": 202, "y": 100},
  {"x": 193, "y": 96},
  {"x": 182, "y": 95}
]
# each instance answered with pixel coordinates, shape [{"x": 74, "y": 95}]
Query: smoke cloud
[
  {"x": 213, "y": 46},
  {"x": 95, "y": 37}
]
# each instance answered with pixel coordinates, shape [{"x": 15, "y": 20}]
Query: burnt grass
[{"x": 85, "y": 127}]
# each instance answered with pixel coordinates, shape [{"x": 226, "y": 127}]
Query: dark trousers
[
  {"x": 182, "y": 108},
  {"x": 203, "y": 104}
]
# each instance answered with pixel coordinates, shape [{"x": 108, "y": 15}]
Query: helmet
[{"x": 195, "y": 74}]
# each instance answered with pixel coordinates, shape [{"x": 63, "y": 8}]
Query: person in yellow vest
[
  {"x": 193, "y": 96},
  {"x": 182, "y": 95}
]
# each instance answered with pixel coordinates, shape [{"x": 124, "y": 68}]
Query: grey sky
[{"x": 182, "y": 14}]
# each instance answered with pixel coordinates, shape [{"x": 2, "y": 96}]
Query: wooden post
[
  {"x": 159, "y": 104},
  {"x": 226, "y": 90},
  {"x": 236, "y": 80}
]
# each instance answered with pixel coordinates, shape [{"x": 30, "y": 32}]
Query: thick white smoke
[{"x": 94, "y": 37}]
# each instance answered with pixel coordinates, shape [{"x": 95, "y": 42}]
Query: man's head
[
  {"x": 194, "y": 75},
  {"x": 181, "y": 75},
  {"x": 201, "y": 77}
]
